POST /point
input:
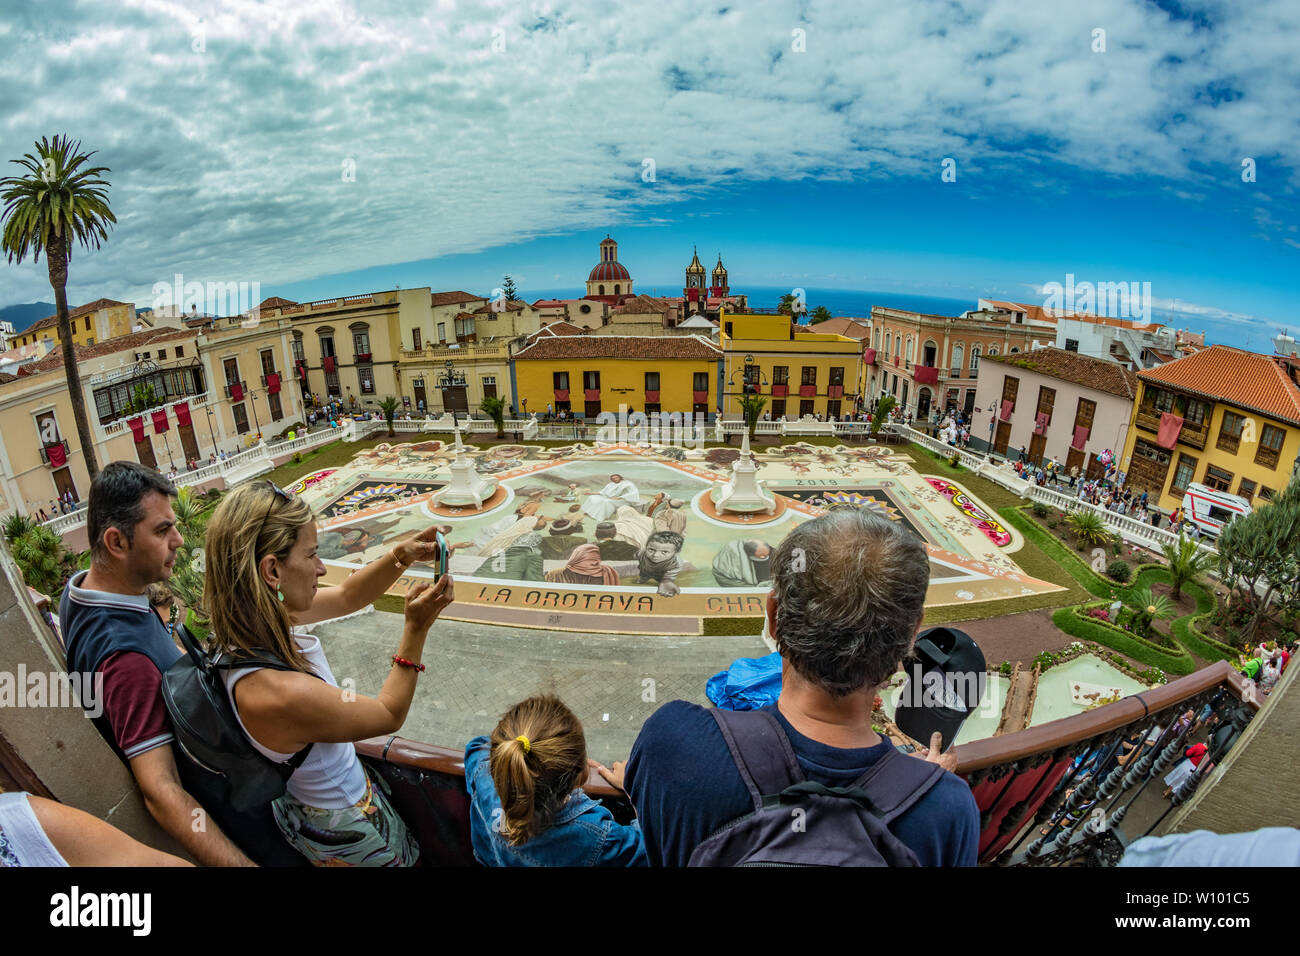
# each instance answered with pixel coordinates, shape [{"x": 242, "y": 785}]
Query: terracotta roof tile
[
  {"x": 850, "y": 327},
  {"x": 1101, "y": 374},
  {"x": 123, "y": 343},
  {"x": 513, "y": 305},
  {"x": 1245, "y": 379},
  {"x": 621, "y": 346},
  {"x": 51, "y": 321},
  {"x": 643, "y": 304},
  {"x": 454, "y": 298}
]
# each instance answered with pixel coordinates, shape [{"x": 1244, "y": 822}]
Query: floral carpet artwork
[
  {"x": 967, "y": 506},
  {"x": 580, "y": 538}
]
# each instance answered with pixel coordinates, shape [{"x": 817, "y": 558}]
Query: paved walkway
[{"x": 613, "y": 682}]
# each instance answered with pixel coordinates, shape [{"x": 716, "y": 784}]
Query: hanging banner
[
  {"x": 182, "y": 410},
  {"x": 1080, "y": 437},
  {"x": 237, "y": 392},
  {"x": 327, "y": 363},
  {"x": 272, "y": 384},
  {"x": 1170, "y": 426},
  {"x": 137, "y": 429},
  {"x": 58, "y": 457}
]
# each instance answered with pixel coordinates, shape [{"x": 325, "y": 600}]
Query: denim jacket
[{"x": 583, "y": 832}]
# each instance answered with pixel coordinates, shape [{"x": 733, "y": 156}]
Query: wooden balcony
[{"x": 1191, "y": 434}]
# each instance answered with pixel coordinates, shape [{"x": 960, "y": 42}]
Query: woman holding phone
[{"x": 262, "y": 569}]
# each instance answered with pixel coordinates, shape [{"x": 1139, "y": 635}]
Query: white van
[{"x": 1206, "y": 511}]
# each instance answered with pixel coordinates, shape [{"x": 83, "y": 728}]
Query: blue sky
[{"x": 351, "y": 147}]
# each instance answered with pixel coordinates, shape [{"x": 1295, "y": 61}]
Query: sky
[{"x": 957, "y": 149}]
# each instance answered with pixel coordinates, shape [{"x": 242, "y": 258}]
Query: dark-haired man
[
  {"x": 110, "y": 630},
  {"x": 848, "y": 591}
]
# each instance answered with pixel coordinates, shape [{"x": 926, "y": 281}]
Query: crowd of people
[
  {"x": 64, "y": 504},
  {"x": 842, "y": 632}
]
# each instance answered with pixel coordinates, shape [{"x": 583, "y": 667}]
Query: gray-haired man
[{"x": 846, "y": 603}]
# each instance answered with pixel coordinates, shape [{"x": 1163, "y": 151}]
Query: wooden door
[
  {"x": 1002, "y": 439},
  {"x": 1074, "y": 460},
  {"x": 417, "y": 387},
  {"x": 189, "y": 444},
  {"x": 455, "y": 399},
  {"x": 63, "y": 481},
  {"x": 144, "y": 452},
  {"x": 1037, "y": 443}
]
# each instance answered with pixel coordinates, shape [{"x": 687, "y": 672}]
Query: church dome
[{"x": 608, "y": 272}]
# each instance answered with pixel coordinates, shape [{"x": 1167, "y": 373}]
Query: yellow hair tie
[{"x": 524, "y": 740}]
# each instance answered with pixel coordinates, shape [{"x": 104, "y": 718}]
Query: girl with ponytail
[{"x": 528, "y": 807}]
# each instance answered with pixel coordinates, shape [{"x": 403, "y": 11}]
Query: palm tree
[
  {"x": 752, "y": 406},
  {"x": 1187, "y": 562},
  {"x": 494, "y": 407},
  {"x": 1089, "y": 528},
  {"x": 16, "y": 525},
  {"x": 883, "y": 408},
  {"x": 56, "y": 203},
  {"x": 1148, "y": 607},
  {"x": 389, "y": 407},
  {"x": 39, "y": 555},
  {"x": 821, "y": 314}
]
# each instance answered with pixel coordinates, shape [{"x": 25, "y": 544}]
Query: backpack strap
[
  {"x": 896, "y": 782},
  {"x": 761, "y": 751},
  {"x": 263, "y": 659}
]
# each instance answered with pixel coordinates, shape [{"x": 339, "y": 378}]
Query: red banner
[
  {"x": 272, "y": 384},
  {"x": 591, "y": 394},
  {"x": 237, "y": 392},
  {"x": 1170, "y": 426},
  {"x": 137, "y": 429},
  {"x": 652, "y": 396},
  {"x": 780, "y": 391},
  {"x": 561, "y": 394},
  {"x": 835, "y": 391},
  {"x": 807, "y": 390},
  {"x": 925, "y": 375},
  {"x": 56, "y": 455},
  {"x": 302, "y": 371},
  {"x": 1007, "y": 406},
  {"x": 182, "y": 410},
  {"x": 327, "y": 363},
  {"x": 160, "y": 421},
  {"x": 1080, "y": 437},
  {"x": 869, "y": 356},
  {"x": 700, "y": 397},
  {"x": 1040, "y": 423}
]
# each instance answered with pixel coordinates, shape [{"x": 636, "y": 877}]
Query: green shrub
[
  {"x": 1006, "y": 668},
  {"x": 1040, "y": 509},
  {"x": 1119, "y": 570},
  {"x": 1072, "y": 621}
]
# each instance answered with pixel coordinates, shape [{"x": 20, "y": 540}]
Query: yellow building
[
  {"x": 585, "y": 375},
  {"x": 801, "y": 372},
  {"x": 1222, "y": 417},
  {"x": 96, "y": 321}
]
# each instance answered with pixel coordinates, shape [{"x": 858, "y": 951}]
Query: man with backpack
[
  {"x": 111, "y": 632},
  {"x": 818, "y": 786}
]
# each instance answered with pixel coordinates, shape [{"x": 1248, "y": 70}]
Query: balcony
[
  {"x": 362, "y": 358},
  {"x": 1023, "y": 782},
  {"x": 1267, "y": 457},
  {"x": 235, "y": 391},
  {"x": 781, "y": 390},
  {"x": 275, "y": 372},
  {"x": 60, "y": 454},
  {"x": 954, "y": 373},
  {"x": 926, "y": 375},
  {"x": 1192, "y": 434}
]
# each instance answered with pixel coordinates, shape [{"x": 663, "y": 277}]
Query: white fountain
[
  {"x": 744, "y": 493},
  {"x": 467, "y": 487}
]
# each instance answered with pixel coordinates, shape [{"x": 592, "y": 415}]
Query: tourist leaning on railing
[
  {"x": 527, "y": 803},
  {"x": 262, "y": 569}
]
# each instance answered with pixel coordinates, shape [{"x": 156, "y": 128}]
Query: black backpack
[
  {"x": 232, "y": 771},
  {"x": 797, "y": 822}
]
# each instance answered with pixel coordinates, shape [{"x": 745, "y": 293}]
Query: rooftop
[
  {"x": 50, "y": 321},
  {"x": 1246, "y": 379},
  {"x": 1101, "y": 374},
  {"x": 454, "y": 298},
  {"x": 123, "y": 343},
  {"x": 853, "y": 328}
]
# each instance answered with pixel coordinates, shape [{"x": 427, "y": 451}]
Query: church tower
[
  {"x": 694, "y": 292},
  {"x": 719, "y": 288}
]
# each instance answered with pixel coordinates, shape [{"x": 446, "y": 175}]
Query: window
[
  {"x": 1218, "y": 479},
  {"x": 415, "y": 339},
  {"x": 837, "y": 375},
  {"x": 442, "y": 333},
  {"x": 327, "y": 346},
  {"x": 1046, "y": 402},
  {"x": 781, "y": 375},
  {"x": 1010, "y": 390},
  {"x": 162, "y": 354},
  {"x": 560, "y": 381},
  {"x": 180, "y": 351},
  {"x": 241, "y": 418},
  {"x": 147, "y": 355},
  {"x": 974, "y": 359},
  {"x": 1246, "y": 489},
  {"x": 466, "y": 329},
  {"x": 701, "y": 382},
  {"x": 993, "y": 350},
  {"x": 591, "y": 380},
  {"x": 809, "y": 375},
  {"x": 753, "y": 374},
  {"x": 1195, "y": 412},
  {"x": 361, "y": 341},
  {"x": 231, "y": 368},
  {"x": 298, "y": 354},
  {"x": 489, "y": 386},
  {"x": 1183, "y": 475},
  {"x": 876, "y": 340},
  {"x": 1230, "y": 432},
  {"x": 1266, "y": 494},
  {"x": 366, "y": 379},
  {"x": 908, "y": 352},
  {"x": 1270, "y": 446},
  {"x": 268, "y": 361},
  {"x": 87, "y": 323},
  {"x": 958, "y": 355}
]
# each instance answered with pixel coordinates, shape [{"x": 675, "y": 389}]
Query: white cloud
[{"x": 227, "y": 162}]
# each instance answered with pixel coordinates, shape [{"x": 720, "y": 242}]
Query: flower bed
[
  {"x": 1048, "y": 659},
  {"x": 1076, "y": 622}
]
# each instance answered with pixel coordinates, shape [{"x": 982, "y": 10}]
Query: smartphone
[
  {"x": 443, "y": 555},
  {"x": 907, "y": 748}
]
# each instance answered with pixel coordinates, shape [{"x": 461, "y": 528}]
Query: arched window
[
  {"x": 909, "y": 348},
  {"x": 958, "y": 355},
  {"x": 974, "y": 358},
  {"x": 877, "y": 340},
  {"x": 600, "y": 290},
  {"x": 993, "y": 350},
  {"x": 930, "y": 353},
  {"x": 616, "y": 290},
  {"x": 1014, "y": 350}
]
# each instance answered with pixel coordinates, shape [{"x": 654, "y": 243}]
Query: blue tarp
[{"x": 748, "y": 684}]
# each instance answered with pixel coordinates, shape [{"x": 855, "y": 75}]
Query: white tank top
[{"x": 331, "y": 778}]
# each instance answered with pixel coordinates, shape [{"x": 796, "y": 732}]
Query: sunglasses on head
[{"x": 279, "y": 493}]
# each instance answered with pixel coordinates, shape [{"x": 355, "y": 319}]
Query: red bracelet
[{"x": 405, "y": 663}]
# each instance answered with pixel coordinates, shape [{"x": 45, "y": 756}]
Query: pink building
[{"x": 1054, "y": 404}]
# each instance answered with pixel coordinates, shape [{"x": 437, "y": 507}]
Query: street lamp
[
  {"x": 211, "y": 433},
  {"x": 446, "y": 388},
  {"x": 253, "y": 401}
]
